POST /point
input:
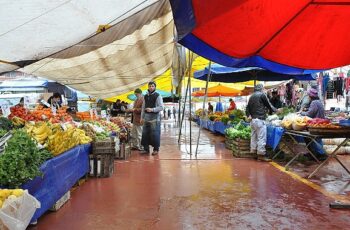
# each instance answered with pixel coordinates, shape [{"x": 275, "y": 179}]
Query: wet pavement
[{"x": 176, "y": 190}]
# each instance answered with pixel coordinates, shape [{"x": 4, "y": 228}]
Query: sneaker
[
  {"x": 155, "y": 153},
  {"x": 263, "y": 158}
]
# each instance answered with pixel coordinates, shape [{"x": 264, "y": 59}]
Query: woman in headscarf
[{"x": 316, "y": 110}]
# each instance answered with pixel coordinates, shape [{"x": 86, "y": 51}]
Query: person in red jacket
[{"x": 232, "y": 105}]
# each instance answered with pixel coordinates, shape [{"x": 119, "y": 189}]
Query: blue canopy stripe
[{"x": 221, "y": 73}]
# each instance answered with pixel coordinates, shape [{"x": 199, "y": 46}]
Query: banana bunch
[
  {"x": 60, "y": 141},
  {"x": 39, "y": 131},
  {"x": 17, "y": 121}
]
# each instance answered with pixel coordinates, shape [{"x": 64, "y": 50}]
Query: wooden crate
[
  {"x": 124, "y": 151},
  {"x": 103, "y": 147},
  {"x": 101, "y": 165},
  {"x": 241, "y": 148},
  {"x": 243, "y": 154}
]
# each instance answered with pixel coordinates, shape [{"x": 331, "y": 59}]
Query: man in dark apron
[{"x": 150, "y": 117}]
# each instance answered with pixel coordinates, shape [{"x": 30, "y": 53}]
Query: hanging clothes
[
  {"x": 325, "y": 81},
  {"x": 347, "y": 84},
  {"x": 330, "y": 89},
  {"x": 339, "y": 86}
]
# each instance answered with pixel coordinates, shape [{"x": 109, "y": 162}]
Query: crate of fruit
[{"x": 103, "y": 147}]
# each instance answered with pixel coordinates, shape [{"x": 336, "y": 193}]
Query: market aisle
[{"x": 216, "y": 192}]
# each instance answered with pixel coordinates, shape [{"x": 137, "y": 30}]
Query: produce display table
[
  {"x": 295, "y": 134},
  {"x": 60, "y": 174}
]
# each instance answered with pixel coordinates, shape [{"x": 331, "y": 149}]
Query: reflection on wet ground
[{"x": 176, "y": 190}]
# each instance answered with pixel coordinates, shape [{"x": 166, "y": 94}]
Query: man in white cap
[{"x": 256, "y": 112}]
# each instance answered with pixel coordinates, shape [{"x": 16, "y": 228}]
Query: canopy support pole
[
  {"x": 190, "y": 62},
  {"x": 204, "y": 101}
]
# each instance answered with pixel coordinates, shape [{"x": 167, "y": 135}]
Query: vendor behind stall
[
  {"x": 316, "y": 110},
  {"x": 232, "y": 105},
  {"x": 275, "y": 100},
  {"x": 55, "y": 100},
  {"x": 116, "y": 108}
]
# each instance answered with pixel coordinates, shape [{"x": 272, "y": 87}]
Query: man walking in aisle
[
  {"x": 150, "y": 116},
  {"x": 136, "y": 131}
]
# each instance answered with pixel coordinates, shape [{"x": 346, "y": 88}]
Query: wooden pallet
[{"x": 64, "y": 199}]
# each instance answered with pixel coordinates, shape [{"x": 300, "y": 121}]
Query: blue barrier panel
[
  {"x": 220, "y": 127},
  {"x": 211, "y": 126},
  {"x": 60, "y": 174},
  {"x": 204, "y": 123}
]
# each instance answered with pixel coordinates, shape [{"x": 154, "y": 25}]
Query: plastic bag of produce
[{"x": 17, "y": 212}]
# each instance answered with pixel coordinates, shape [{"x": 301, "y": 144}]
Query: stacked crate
[
  {"x": 240, "y": 147},
  {"x": 102, "y": 158}
]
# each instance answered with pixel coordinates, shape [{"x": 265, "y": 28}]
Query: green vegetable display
[
  {"x": 285, "y": 112},
  {"x": 238, "y": 115},
  {"x": 21, "y": 160},
  {"x": 238, "y": 131},
  {"x": 5, "y": 123},
  {"x": 3, "y": 132}
]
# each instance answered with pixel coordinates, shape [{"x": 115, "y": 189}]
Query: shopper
[
  {"x": 174, "y": 113},
  {"x": 169, "y": 113},
  {"x": 232, "y": 105},
  {"x": 136, "y": 131},
  {"x": 256, "y": 112},
  {"x": 150, "y": 116},
  {"x": 316, "y": 110}
]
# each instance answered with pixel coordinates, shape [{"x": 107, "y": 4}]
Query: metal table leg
[{"x": 333, "y": 154}]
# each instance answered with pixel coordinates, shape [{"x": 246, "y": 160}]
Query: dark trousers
[
  {"x": 151, "y": 135},
  {"x": 315, "y": 148}
]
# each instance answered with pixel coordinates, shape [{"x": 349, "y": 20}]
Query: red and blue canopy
[{"x": 270, "y": 34}]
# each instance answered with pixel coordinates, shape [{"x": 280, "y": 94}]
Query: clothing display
[{"x": 339, "y": 86}]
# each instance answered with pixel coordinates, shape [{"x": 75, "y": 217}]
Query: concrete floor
[{"x": 213, "y": 191}]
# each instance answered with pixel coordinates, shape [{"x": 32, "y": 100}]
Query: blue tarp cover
[
  {"x": 60, "y": 174},
  {"x": 274, "y": 136},
  {"x": 221, "y": 73}
]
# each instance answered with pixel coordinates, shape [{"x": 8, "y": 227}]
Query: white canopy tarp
[
  {"x": 117, "y": 67},
  {"x": 32, "y": 30}
]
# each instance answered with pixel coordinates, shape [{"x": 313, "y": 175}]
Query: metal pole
[
  {"x": 204, "y": 101},
  {"x": 182, "y": 115},
  {"x": 190, "y": 100},
  {"x": 187, "y": 89}
]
